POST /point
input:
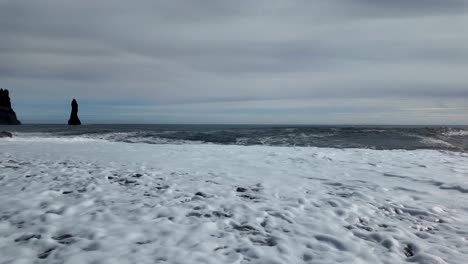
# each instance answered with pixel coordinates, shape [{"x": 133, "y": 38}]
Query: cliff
[{"x": 7, "y": 115}]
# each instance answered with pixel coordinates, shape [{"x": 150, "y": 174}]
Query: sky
[{"x": 237, "y": 62}]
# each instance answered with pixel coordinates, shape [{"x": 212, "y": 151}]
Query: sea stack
[
  {"x": 7, "y": 115},
  {"x": 74, "y": 120}
]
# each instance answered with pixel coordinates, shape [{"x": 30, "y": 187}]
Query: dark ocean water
[{"x": 374, "y": 137}]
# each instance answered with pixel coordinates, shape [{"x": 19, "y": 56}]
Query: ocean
[{"x": 368, "y": 137}]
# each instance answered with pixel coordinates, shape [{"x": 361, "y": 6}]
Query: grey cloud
[
  {"x": 204, "y": 51},
  {"x": 411, "y": 6}
]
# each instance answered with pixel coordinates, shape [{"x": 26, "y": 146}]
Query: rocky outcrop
[
  {"x": 5, "y": 134},
  {"x": 7, "y": 115},
  {"x": 74, "y": 120}
]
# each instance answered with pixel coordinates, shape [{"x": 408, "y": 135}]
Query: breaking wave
[{"x": 443, "y": 138}]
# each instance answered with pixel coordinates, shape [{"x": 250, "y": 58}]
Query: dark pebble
[
  {"x": 127, "y": 181},
  {"x": 408, "y": 251},
  {"x": 221, "y": 214},
  {"x": 28, "y": 237},
  {"x": 62, "y": 237},
  {"x": 200, "y": 194},
  {"x": 45, "y": 254},
  {"x": 241, "y": 189},
  {"x": 250, "y": 197}
]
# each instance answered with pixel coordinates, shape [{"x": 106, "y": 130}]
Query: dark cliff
[{"x": 7, "y": 115}]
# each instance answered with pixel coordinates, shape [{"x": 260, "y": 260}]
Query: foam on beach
[{"x": 94, "y": 201}]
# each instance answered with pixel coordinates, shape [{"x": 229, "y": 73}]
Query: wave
[
  {"x": 435, "y": 142},
  {"x": 442, "y": 138},
  {"x": 46, "y": 137},
  {"x": 458, "y": 132}
]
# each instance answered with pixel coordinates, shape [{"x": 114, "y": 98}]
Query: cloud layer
[{"x": 220, "y": 61}]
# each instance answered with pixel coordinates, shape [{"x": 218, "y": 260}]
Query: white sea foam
[
  {"x": 430, "y": 141},
  {"x": 68, "y": 201},
  {"x": 136, "y": 137},
  {"x": 456, "y": 133},
  {"x": 48, "y": 138}
]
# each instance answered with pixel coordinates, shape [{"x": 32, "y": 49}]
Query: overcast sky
[{"x": 256, "y": 61}]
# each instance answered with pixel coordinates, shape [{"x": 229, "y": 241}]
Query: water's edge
[{"x": 372, "y": 137}]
